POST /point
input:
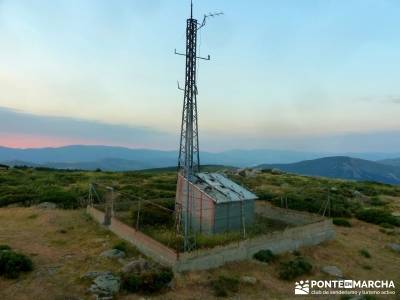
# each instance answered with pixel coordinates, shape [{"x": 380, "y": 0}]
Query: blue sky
[{"x": 317, "y": 75}]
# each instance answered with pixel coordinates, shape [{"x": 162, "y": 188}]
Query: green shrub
[
  {"x": 132, "y": 282},
  {"x": 156, "y": 281},
  {"x": 147, "y": 282},
  {"x": 313, "y": 199},
  {"x": 4, "y": 247},
  {"x": 376, "y": 201},
  {"x": 365, "y": 253},
  {"x": 265, "y": 256},
  {"x": 224, "y": 286},
  {"x": 368, "y": 188},
  {"x": 294, "y": 268},
  {"x": 377, "y": 216},
  {"x": 266, "y": 195},
  {"x": 341, "y": 222},
  {"x": 296, "y": 253},
  {"x": 12, "y": 263},
  {"x": 121, "y": 246},
  {"x": 63, "y": 198},
  {"x": 387, "y": 226}
]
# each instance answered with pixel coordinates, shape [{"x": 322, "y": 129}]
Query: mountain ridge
[
  {"x": 237, "y": 157},
  {"x": 342, "y": 167},
  {"x": 391, "y": 162}
]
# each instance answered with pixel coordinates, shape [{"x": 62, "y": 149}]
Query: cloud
[
  {"x": 48, "y": 128},
  {"x": 22, "y": 129}
]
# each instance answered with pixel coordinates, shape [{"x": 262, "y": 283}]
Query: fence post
[
  {"x": 109, "y": 207},
  {"x": 107, "y": 215}
]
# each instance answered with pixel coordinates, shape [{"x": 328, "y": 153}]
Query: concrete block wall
[
  {"x": 278, "y": 242},
  {"x": 145, "y": 244}
]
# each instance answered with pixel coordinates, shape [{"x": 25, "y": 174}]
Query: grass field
[{"x": 64, "y": 245}]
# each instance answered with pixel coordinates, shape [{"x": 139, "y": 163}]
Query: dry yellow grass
[
  {"x": 63, "y": 245},
  {"x": 61, "y": 258},
  {"x": 343, "y": 252}
]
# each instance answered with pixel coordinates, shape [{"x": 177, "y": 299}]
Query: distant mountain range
[
  {"x": 391, "y": 162},
  {"x": 384, "y": 168},
  {"x": 107, "y": 164},
  {"x": 343, "y": 167},
  {"x": 84, "y": 156}
]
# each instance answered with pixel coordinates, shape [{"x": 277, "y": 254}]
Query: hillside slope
[
  {"x": 342, "y": 167},
  {"x": 391, "y": 162}
]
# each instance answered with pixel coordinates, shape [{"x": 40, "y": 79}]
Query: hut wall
[
  {"x": 208, "y": 217},
  {"x": 230, "y": 215},
  {"x": 200, "y": 204}
]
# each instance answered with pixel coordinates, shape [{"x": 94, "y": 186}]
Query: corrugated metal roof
[{"x": 223, "y": 189}]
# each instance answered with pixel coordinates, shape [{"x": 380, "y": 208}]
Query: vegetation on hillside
[
  {"x": 69, "y": 189},
  {"x": 292, "y": 269},
  {"x": 346, "y": 198}
]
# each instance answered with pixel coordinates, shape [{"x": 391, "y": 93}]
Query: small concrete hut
[{"x": 216, "y": 204}]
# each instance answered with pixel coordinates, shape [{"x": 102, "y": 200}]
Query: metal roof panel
[{"x": 223, "y": 189}]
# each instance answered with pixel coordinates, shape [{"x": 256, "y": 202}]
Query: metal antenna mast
[{"x": 189, "y": 154}]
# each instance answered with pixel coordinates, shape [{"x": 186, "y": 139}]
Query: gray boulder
[
  {"x": 333, "y": 271},
  {"x": 113, "y": 253},
  {"x": 394, "y": 247},
  {"x": 248, "y": 280},
  {"x": 47, "y": 205},
  {"x": 105, "y": 285}
]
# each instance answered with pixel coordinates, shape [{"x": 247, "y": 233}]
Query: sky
[{"x": 312, "y": 75}]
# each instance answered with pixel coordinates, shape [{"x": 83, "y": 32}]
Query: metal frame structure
[
  {"x": 189, "y": 156},
  {"x": 189, "y": 153}
]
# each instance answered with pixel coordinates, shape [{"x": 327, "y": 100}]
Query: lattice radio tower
[{"x": 189, "y": 155}]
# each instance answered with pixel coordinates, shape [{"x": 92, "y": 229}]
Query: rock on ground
[
  {"x": 394, "y": 247},
  {"x": 248, "y": 280},
  {"x": 47, "y": 205},
  {"x": 105, "y": 285},
  {"x": 333, "y": 271},
  {"x": 113, "y": 253}
]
